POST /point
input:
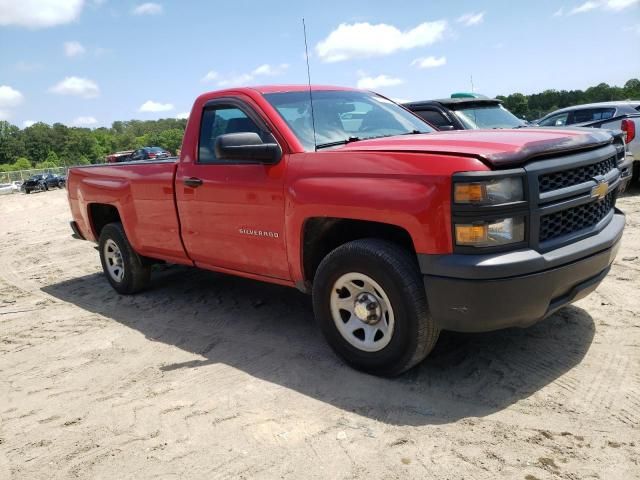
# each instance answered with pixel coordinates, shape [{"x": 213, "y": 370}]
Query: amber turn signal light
[
  {"x": 472, "y": 234},
  {"x": 469, "y": 193}
]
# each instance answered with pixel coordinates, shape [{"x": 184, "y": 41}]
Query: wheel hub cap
[
  {"x": 367, "y": 308},
  {"x": 362, "y": 312},
  {"x": 113, "y": 259}
]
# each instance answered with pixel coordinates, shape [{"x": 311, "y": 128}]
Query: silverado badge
[{"x": 600, "y": 190}]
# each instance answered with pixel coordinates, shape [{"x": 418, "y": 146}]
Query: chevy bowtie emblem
[{"x": 600, "y": 190}]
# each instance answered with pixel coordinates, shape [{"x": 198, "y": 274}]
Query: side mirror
[
  {"x": 246, "y": 146},
  {"x": 446, "y": 128}
]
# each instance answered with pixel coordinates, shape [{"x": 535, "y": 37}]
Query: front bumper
[{"x": 475, "y": 293}]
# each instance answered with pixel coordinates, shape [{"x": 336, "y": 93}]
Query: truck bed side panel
[{"x": 144, "y": 196}]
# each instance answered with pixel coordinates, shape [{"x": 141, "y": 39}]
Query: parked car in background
[
  {"x": 35, "y": 183},
  {"x": 117, "y": 157},
  {"x": 465, "y": 111},
  {"x": 149, "y": 153},
  {"x": 12, "y": 187},
  {"x": 43, "y": 181},
  {"x": 621, "y": 115},
  {"x": 6, "y": 188}
]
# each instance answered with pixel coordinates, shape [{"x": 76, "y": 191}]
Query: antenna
[
  {"x": 306, "y": 54},
  {"x": 472, "y": 83}
]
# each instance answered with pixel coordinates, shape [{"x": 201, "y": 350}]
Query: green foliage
[
  {"x": 65, "y": 146},
  {"x": 537, "y": 105},
  {"x": 21, "y": 164},
  {"x": 46, "y": 164},
  {"x": 52, "y": 159}
]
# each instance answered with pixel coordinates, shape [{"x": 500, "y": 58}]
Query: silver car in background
[{"x": 620, "y": 115}]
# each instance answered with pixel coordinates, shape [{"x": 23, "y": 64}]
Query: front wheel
[
  {"x": 124, "y": 268},
  {"x": 369, "y": 299}
]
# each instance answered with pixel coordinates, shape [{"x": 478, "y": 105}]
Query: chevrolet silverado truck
[{"x": 397, "y": 231}]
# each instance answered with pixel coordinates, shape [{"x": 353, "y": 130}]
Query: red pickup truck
[{"x": 398, "y": 231}]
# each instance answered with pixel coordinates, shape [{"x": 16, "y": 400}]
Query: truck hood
[{"x": 498, "y": 148}]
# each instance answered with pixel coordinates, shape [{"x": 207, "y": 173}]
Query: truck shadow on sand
[{"x": 268, "y": 332}]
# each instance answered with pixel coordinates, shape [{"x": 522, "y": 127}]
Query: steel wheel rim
[
  {"x": 113, "y": 260},
  {"x": 353, "y": 295}
]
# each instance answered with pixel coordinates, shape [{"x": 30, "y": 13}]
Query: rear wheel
[
  {"x": 369, "y": 299},
  {"x": 125, "y": 270}
]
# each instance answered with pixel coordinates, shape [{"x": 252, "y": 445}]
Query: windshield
[
  {"x": 493, "y": 116},
  {"x": 342, "y": 116}
]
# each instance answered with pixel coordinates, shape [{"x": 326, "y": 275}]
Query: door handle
[{"x": 192, "y": 182}]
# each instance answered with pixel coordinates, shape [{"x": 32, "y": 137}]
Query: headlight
[
  {"x": 490, "y": 234},
  {"x": 489, "y": 192}
]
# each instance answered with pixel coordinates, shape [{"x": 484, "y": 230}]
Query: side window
[
  {"x": 585, "y": 115},
  {"x": 603, "y": 113},
  {"x": 135, "y": 155},
  {"x": 555, "y": 120},
  {"x": 433, "y": 117},
  {"x": 220, "y": 120}
]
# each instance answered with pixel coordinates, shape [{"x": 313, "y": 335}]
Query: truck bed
[{"x": 143, "y": 193}]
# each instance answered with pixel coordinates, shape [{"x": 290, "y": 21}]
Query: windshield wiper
[
  {"x": 338, "y": 142},
  {"x": 355, "y": 139}
]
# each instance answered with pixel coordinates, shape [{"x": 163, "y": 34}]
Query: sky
[{"x": 91, "y": 62}]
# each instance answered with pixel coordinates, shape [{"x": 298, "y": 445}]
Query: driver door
[{"x": 232, "y": 212}]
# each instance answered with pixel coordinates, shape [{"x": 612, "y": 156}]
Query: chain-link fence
[{"x": 22, "y": 175}]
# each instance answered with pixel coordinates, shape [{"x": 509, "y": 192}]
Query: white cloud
[
  {"x": 9, "y": 97},
  {"x": 559, "y": 12},
  {"x": 429, "y": 62},
  {"x": 270, "y": 70},
  {"x": 470, "y": 19},
  {"x": 210, "y": 76},
  {"x": 618, "y": 5},
  {"x": 245, "y": 78},
  {"x": 585, "y": 7},
  {"x": 148, "y": 9},
  {"x": 359, "y": 40},
  {"x": 371, "y": 83},
  {"x": 39, "y": 13},
  {"x": 182, "y": 115},
  {"x": 73, "y": 49},
  {"x": 612, "y": 5},
  {"x": 28, "y": 123},
  {"x": 81, "y": 87},
  {"x": 84, "y": 121},
  {"x": 151, "y": 106},
  {"x": 236, "y": 80}
]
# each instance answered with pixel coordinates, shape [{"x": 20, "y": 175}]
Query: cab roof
[{"x": 293, "y": 88}]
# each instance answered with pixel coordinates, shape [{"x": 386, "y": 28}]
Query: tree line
[
  {"x": 537, "y": 105},
  {"x": 48, "y": 146}
]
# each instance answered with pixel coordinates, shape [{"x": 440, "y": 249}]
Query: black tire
[
  {"x": 137, "y": 274},
  {"x": 414, "y": 333},
  {"x": 27, "y": 191},
  {"x": 635, "y": 175}
]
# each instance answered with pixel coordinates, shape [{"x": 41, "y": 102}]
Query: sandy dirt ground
[{"x": 211, "y": 376}]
